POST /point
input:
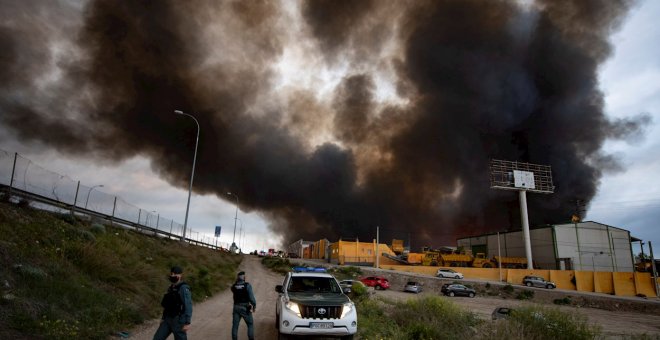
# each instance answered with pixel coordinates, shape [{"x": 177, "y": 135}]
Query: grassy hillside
[{"x": 63, "y": 278}]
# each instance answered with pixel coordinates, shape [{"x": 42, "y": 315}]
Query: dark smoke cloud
[{"x": 477, "y": 80}]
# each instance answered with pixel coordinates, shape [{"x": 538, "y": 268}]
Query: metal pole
[
  {"x": 525, "y": 224},
  {"x": 171, "y": 226},
  {"x": 139, "y": 215},
  {"x": 499, "y": 255},
  {"x": 577, "y": 241},
  {"x": 157, "y": 220},
  {"x": 75, "y": 199},
  {"x": 655, "y": 271},
  {"x": 13, "y": 170},
  {"x": 233, "y": 240},
  {"x": 114, "y": 207},
  {"x": 192, "y": 175},
  {"x": 377, "y": 246}
]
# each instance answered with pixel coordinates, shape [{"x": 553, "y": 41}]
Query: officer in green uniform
[
  {"x": 177, "y": 308},
  {"x": 244, "y": 305}
]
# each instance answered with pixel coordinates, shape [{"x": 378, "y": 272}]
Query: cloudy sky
[{"x": 332, "y": 120}]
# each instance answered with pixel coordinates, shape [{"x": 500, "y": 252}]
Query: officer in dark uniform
[
  {"x": 177, "y": 308},
  {"x": 244, "y": 305}
]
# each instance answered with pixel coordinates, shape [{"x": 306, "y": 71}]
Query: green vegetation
[
  {"x": 563, "y": 301},
  {"x": 531, "y": 323},
  {"x": 346, "y": 272},
  {"x": 277, "y": 264},
  {"x": 525, "y": 295},
  {"x": 435, "y": 317},
  {"x": 62, "y": 278}
]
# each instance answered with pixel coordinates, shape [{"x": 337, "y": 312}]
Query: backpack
[{"x": 172, "y": 301}]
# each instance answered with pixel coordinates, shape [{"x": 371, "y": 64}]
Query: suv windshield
[{"x": 313, "y": 284}]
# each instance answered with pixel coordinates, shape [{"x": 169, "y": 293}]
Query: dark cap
[
  {"x": 176, "y": 270},
  {"x": 241, "y": 273}
]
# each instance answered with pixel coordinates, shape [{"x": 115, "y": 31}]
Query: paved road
[{"x": 212, "y": 318}]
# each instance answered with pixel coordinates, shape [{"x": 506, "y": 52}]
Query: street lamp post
[
  {"x": 233, "y": 240},
  {"x": 90, "y": 191},
  {"x": 240, "y": 240},
  {"x": 192, "y": 175}
]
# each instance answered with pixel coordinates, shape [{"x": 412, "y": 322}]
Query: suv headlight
[
  {"x": 347, "y": 308},
  {"x": 293, "y": 307}
]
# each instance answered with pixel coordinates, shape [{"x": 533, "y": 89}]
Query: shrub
[
  {"x": 346, "y": 272},
  {"x": 543, "y": 323},
  {"x": 97, "y": 228},
  {"x": 67, "y": 217},
  {"x": 507, "y": 289},
  {"x": 563, "y": 301},
  {"x": 374, "y": 321},
  {"x": 525, "y": 295},
  {"x": 434, "y": 318},
  {"x": 277, "y": 264}
]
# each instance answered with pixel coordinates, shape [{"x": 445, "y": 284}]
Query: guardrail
[{"x": 20, "y": 178}]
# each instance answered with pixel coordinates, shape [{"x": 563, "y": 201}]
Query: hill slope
[{"x": 66, "y": 278}]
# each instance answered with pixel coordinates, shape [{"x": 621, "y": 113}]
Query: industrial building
[{"x": 582, "y": 246}]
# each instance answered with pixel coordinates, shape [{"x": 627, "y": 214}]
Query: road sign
[{"x": 217, "y": 230}]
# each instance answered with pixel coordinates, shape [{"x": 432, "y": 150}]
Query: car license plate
[{"x": 321, "y": 325}]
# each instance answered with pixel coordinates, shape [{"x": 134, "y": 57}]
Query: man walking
[
  {"x": 244, "y": 305},
  {"x": 177, "y": 308}
]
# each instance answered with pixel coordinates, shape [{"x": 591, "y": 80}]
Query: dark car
[
  {"x": 537, "y": 281},
  {"x": 501, "y": 313},
  {"x": 378, "y": 282},
  {"x": 457, "y": 289}
]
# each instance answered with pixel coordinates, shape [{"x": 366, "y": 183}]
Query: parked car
[
  {"x": 347, "y": 285},
  {"x": 501, "y": 313},
  {"x": 449, "y": 273},
  {"x": 413, "y": 287},
  {"x": 537, "y": 281},
  {"x": 378, "y": 282},
  {"x": 457, "y": 289}
]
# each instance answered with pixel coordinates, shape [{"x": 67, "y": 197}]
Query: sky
[{"x": 627, "y": 195}]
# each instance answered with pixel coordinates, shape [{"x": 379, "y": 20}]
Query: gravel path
[{"x": 212, "y": 318}]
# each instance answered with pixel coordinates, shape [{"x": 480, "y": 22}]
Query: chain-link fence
[{"x": 18, "y": 172}]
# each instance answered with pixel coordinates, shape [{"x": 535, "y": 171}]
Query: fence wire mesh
[{"x": 18, "y": 172}]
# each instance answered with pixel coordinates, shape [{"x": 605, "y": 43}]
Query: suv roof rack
[{"x": 308, "y": 269}]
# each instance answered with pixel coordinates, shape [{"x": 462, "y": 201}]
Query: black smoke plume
[{"x": 469, "y": 81}]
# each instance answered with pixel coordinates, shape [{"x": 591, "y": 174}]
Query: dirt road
[{"x": 212, "y": 318}]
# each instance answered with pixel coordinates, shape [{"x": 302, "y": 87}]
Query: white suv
[
  {"x": 312, "y": 303},
  {"x": 449, "y": 273}
]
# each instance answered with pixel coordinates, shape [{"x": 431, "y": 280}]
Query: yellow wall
[
  {"x": 619, "y": 283},
  {"x": 624, "y": 284},
  {"x": 644, "y": 284},
  {"x": 603, "y": 283},
  {"x": 585, "y": 281},
  {"x": 564, "y": 279}
]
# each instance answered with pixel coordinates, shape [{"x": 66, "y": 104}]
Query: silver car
[
  {"x": 413, "y": 287},
  {"x": 347, "y": 285},
  {"x": 537, "y": 281},
  {"x": 449, "y": 273}
]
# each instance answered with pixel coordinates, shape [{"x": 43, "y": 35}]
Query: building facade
[{"x": 583, "y": 246}]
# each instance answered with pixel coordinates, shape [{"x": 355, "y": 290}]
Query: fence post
[
  {"x": 139, "y": 216},
  {"x": 157, "y": 220},
  {"x": 171, "y": 225},
  {"x": 75, "y": 199},
  {"x": 114, "y": 206},
  {"x": 13, "y": 169}
]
